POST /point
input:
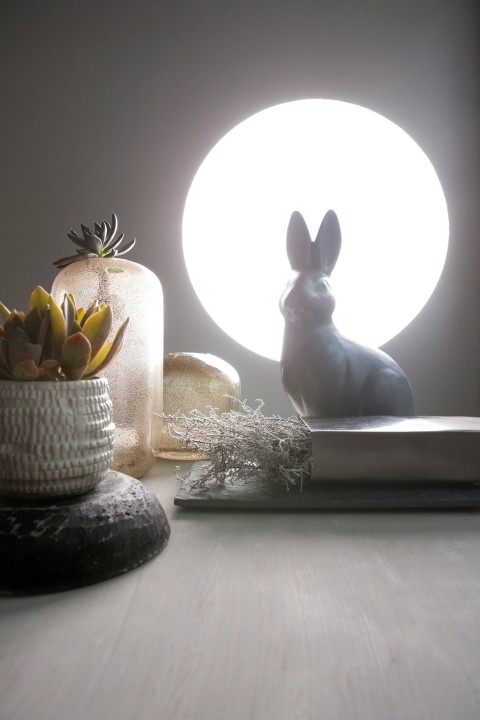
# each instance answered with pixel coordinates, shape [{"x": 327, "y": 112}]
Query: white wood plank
[{"x": 259, "y": 615}]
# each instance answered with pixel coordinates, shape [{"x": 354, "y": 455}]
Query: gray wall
[{"x": 113, "y": 105}]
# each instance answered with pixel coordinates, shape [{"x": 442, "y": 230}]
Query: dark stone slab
[
  {"x": 60, "y": 544},
  {"x": 317, "y": 495}
]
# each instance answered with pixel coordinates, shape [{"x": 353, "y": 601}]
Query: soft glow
[{"x": 312, "y": 155}]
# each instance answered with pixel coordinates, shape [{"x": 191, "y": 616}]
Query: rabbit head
[{"x": 308, "y": 298}]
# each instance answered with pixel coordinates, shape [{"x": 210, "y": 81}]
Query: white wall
[{"x": 112, "y": 105}]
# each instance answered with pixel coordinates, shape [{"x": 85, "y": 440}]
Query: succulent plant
[
  {"x": 100, "y": 242},
  {"x": 57, "y": 342}
]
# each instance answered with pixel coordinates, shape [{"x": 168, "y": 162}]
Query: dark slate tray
[
  {"x": 56, "y": 544},
  {"x": 337, "y": 495}
]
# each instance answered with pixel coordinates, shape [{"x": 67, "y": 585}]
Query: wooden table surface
[{"x": 261, "y": 616}]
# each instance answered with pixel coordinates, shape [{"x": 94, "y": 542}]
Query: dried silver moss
[{"x": 244, "y": 445}]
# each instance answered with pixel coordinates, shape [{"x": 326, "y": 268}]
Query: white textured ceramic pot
[{"x": 56, "y": 438}]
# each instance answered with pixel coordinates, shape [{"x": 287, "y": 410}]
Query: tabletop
[{"x": 261, "y": 615}]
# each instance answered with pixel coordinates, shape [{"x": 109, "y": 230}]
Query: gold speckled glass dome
[
  {"x": 135, "y": 378},
  {"x": 194, "y": 381}
]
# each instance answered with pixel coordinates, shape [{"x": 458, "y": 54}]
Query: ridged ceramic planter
[{"x": 56, "y": 438}]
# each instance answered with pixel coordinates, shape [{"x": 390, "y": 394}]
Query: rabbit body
[{"x": 324, "y": 373}]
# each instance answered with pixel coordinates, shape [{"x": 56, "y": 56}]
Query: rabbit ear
[
  {"x": 328, "y": 242},
  {"x": 299, "y": 243}
]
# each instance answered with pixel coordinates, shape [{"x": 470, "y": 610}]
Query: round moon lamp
[{"x": 311, "y": 156}]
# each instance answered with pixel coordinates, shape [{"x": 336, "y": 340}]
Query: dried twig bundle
[{"x": 244, "y": 444}]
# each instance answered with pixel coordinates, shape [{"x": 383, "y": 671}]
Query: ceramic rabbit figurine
[{"x": 324, "y": 373}]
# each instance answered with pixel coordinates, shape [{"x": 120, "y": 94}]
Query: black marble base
[
  {"x": 337, "y": 495},
  {"x": 53, "y": 545}
]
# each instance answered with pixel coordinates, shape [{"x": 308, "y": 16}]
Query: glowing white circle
[{"x": 313, "y": 155}]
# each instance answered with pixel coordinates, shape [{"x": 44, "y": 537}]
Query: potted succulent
[
  {"x": 56, "y": 430},
  {"x": 135, "y": 380}
]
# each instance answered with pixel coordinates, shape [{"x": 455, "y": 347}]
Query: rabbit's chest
[{"x": 313, "y": 373}]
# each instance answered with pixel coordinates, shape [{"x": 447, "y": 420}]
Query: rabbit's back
[{"x": 327, "y": 375}]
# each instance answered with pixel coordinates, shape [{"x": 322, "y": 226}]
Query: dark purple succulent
[{"x": 100, "y": 242}]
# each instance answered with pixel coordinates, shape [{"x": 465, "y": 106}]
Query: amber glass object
[
  {"x": 194, "y": 381},
  {"x": 135, "y": 378}
]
